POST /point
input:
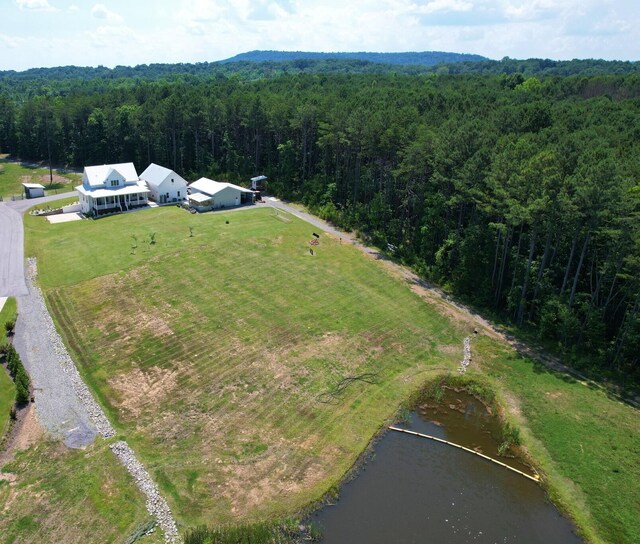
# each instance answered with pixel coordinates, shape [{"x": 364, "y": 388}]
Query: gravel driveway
[
  {"x": 63, "y": 403},
  {"x": 12, "y": 243},
  {"x": 59, "y": 407}
]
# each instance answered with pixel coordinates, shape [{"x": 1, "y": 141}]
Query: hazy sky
[{"x": 88, "y": 33}]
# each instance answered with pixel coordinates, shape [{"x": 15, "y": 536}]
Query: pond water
[{"x": 416, "y": 490}]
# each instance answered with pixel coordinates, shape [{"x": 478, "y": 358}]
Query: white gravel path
[
  {"x": 64, "y": 404},
  {"x": 156, "y": 505}
]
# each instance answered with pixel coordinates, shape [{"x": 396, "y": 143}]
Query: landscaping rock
[
  {"x": 466, "y": 359},
  {"x": 46, "y": 359},
  {"x": 156, "y": 505}
]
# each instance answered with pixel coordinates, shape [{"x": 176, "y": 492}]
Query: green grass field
[
  {"x": 587, "y": 444},
  {"x": 7, "y": 398},
  {"x": 8, "y": 313},
  {"x": 7, "y": 388},
  {"x": 13, "y": 175},
  {"x": 217, "y": 355},
  {"x": 50, "y": 493}
]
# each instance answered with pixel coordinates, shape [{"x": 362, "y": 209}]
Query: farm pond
[{"x": 416, "y": 490}]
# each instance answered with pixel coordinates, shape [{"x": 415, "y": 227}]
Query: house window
[
  {"x": 171, "y": 180},
  {"x": 114, "y": 183},
  {"x": 178, "y": 193}
]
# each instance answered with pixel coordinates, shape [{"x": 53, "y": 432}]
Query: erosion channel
[{"x": 416, "y": 490}]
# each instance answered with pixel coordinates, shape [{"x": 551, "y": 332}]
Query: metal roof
[
  {"x": 155, "y": 174},
  {"x": 97, "y": 175},
  {"x": 211, "y": 187},
  {"x": 199, "y": 197},
  {"x": 138, "y": 188}
]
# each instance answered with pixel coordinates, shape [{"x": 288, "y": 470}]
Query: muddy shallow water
[{"x": 415, "y": 490}]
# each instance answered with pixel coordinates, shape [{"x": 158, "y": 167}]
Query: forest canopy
[{"x": 518, "y": 193}]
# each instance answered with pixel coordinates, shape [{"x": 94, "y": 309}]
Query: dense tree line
[
  {"x": 268, "y": 64},
  {"x": 518, "y": 194}
]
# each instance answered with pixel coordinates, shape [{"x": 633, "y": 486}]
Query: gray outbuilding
[
  {"x": 33, "y": 190},
  {"x": 207, "y": 194}
]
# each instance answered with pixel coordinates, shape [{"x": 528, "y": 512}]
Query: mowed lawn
[
  {"x": 587, "y": 443},
  {"x": 14, "y": 174},
  {"x": 7, "y": 387},
  {"x": 225, "y": 358},
  {"x": 7, "y": 398},
  {"x": 50, "y": 493}
]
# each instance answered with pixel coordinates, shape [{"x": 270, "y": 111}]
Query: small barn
[
  {"x": 33, "y": 190},
  {"x": 165, "y": 186},
  {"x": 207, "y": 194}
]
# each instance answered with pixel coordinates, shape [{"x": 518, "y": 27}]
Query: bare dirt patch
[
  {"x": 120, "y": 319},
  {"x": 44, "y": 179},
  {"x": 253, "y": 485},
  {"x": 25, "y": 432},
  {"x": 140, "y": 389}
]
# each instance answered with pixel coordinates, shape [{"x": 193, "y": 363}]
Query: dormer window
[{"x": 114, "y": 183}]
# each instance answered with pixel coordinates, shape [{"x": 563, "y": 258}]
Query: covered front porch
[
  {"x": 117, "y": 203},
  {"x": 107, "y": 201}
]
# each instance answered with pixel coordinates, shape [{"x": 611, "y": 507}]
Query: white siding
[
  {"x": 170, "y": 189},
  {"x": 227, "y": 198}
]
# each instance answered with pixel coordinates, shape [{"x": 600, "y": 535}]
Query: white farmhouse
[
  {"x": 165, "y": 185},
  {"x": 111, "y": 188},
  {"x": 206, "y": 194}
]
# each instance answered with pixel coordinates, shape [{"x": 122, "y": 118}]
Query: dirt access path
[{"x": 463, "y": 316}]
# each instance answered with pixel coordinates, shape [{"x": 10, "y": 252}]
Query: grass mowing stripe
[{"x": 229, "y": 337}]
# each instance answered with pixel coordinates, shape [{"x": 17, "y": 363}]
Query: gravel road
[
  {"x": 63, "y": 403},
  {"x": 65, "y": 406}
]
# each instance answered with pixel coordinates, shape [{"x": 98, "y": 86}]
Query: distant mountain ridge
[
  {"x": 418, "y": 58},
  {"x": 264, "y": 64}
]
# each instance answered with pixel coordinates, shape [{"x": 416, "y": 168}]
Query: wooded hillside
[{"x": 519, "y": 194}]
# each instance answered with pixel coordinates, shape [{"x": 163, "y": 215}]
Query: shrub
[
  {"x": 10, "y": 325},
  {"x": 18, "y": 373},
  {"x": 267, "y": 532},
  {"x": 13, "y": 359},
  {"x": 510, "y": 437},
  {"x": 22, "y": 386}
]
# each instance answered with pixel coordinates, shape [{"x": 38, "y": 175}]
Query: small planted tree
[
  {"x": 12, "y": 359},
  {"x": 22, "y": 385},
  {"x": 18, "y": 373}
]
